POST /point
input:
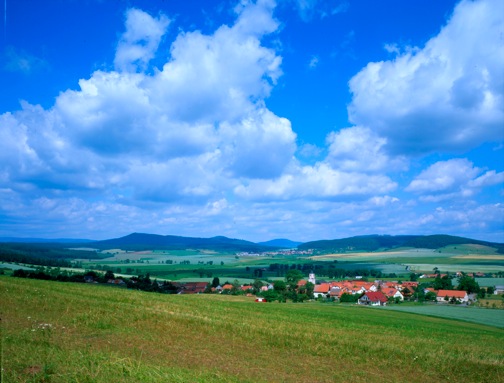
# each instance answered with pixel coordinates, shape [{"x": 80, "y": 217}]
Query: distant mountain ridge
[
  {"x": 376, "y": 242},
  {"x": 142, "y": 241},
  {"x": 43, "y": 240}
]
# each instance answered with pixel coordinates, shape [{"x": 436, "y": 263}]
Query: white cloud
[
  {"x": 443, "y": 176},
  {"x": 182, "y": 133},
  {"x": 360, "y": 149},
  {"x": 260, "y": 146},
  {"x": 446, "y": 96},
  {"x": 314, "y": 61},
  {"x": 446, "y": 180},
  {"x": 340, "y": 8},
  {"x": 490, "y": 177},
  {"x": 139, "y": 42},
  {"x": 306, "y": 8},
  {"x": 319, "y": 182}
]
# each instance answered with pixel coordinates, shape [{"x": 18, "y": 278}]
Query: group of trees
[
  {"x": 62, "y": 275},
  {"x": 289, "y": 290},
  {"x": 330, "y": 271}
]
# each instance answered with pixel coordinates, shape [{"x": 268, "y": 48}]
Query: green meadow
[
  {"x": 192, "y": 264},
  {"x": 68, "y": 332}
]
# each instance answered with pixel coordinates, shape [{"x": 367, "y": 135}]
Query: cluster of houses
[{"x": 379, "y": 293}]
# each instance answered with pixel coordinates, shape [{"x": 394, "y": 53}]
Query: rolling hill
[
  {"x": 380, "y": 242},
  {"x": 142, "y": 241}
]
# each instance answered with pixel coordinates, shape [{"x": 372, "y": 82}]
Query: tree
[
  {"x": 443, "y": 283},
  {"x": 270, "y": 295},
  {"x": 307, "y": 290},
  {"x": 279, "y": 286},
  {"x": 468, "y": 284},
  {"x": 109, "y": 275},
  {"x": 490, "y": 290},
  {"x": 292, "y": 278},
  {"x": 430, "y": 296},
  {"x": 236, "y": 289},
  {"x": 257, "y": 285},
  {"x": 215, "y": 282}
]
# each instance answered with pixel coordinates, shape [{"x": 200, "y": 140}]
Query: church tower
[{"x": 311, "y": 277}]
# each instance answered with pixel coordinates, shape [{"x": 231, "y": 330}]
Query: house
[
  {"x": 373, "y": 298},
  {"x": 335, "y": 292},
  {"x": 321, "y": 290},
  {"x": 227, "y": 286},
  {"x": 499, "y": 289},
  {"x": 410, "y": 285},
  {"x": 446, "y": 295},
  {"x": 392, "y": 293},
  {"x": 193, "y": 287}
]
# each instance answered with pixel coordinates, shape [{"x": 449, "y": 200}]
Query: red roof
[
  {"x": 375, "y": 296},
  {"x": 389, "y": 292},
  {"x": 451, "y": 293},
  {"x": 322, "y": 288}
]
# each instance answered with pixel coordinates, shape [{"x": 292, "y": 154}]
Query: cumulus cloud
[
  {"x": 452, "y": 178},
  {"x": 140, "y": 41},
  {"x": 445, "y": 96},
  {"x": 360, "y": 149},
  {"x": 320, "y": 182},
  {"x": 174, "y": 133}
]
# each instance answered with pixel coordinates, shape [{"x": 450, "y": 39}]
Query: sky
[{"x": 297, "y": 119}]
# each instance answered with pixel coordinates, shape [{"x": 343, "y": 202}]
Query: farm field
[
  {"x": 490, "y": 317},
  {"x": 467, "y": 258},
  {"x": 68, "y": 332}
]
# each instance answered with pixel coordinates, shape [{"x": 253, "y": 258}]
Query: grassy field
[
  {"x": 485, "y": 316},
  {"x": 467, "y": 258},
  {"x": 63, "y": 332}
]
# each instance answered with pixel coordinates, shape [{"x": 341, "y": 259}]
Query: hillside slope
[
  {"x": 141, "y": 241},
  {"x": 378, "y": 242},
  {"x": 68, "y": 332}
]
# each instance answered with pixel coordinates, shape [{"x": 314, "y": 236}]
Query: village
[{"x": 358, "y": 291}]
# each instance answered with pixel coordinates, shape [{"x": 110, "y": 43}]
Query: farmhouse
[
  {"x": 373, "y": 298},
  {"x": 445, "y": 295},
  {"x": 321, "y": 290},
  {"x": 499, "y": 289},
  {"x": 193, "y": 288},
  {"x": 392, "y": 293}
]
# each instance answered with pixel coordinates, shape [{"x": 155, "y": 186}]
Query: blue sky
[{"x": 297, "y": 119}]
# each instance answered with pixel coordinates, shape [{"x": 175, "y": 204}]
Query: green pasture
[
  {"x": 13, "y": 266},
  {"x": 467, "y": 258},
  {"x": 485, "y": 282},
  {"x": 225, "y": 265},
  {"x": 64, "y": 332},
  {"x": 490, "y": 317}
]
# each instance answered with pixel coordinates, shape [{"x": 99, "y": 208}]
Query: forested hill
[
  {"x": 140, "y": 241},
  {"x": 377, "y": 242}
]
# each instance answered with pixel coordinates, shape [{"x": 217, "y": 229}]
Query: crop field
[
  {"x": 63, "y": 332},
  {"x": 187, "y": 264},
  {"x": 485, "y": 282},
  {"x": 467, "y": 258},
  {"x": 491, "y": 317}
]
